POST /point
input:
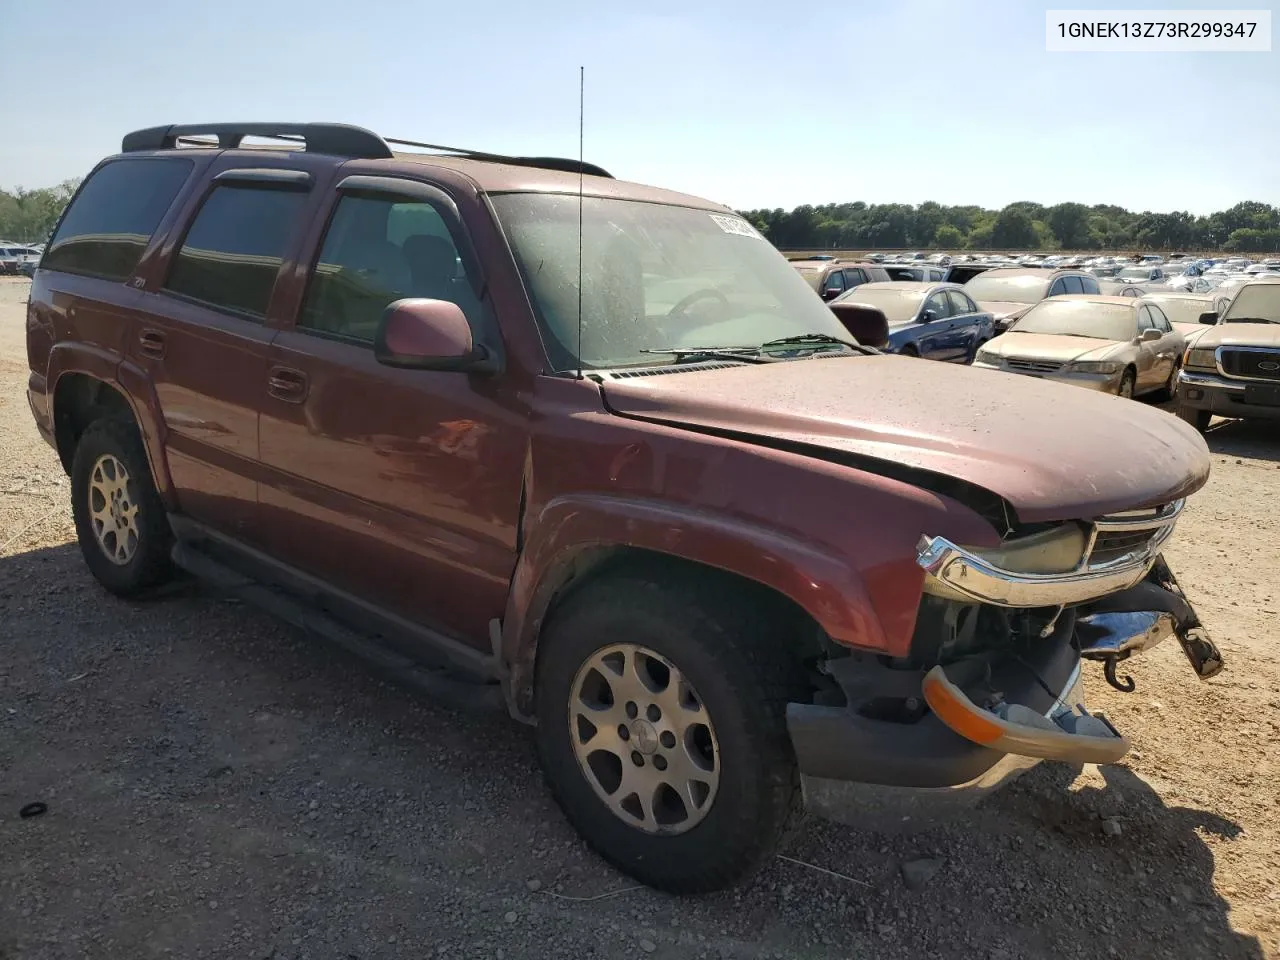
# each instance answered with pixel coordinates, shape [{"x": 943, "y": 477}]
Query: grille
[
  {"x": 1034, "y": 366},
  {"x": 1119, "y": 535},
  {"x": 1257, "y": 364}
]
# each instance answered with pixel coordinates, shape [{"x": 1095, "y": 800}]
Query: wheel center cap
[{"x": 644, "y": 736}]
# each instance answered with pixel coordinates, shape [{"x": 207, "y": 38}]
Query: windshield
[
  {"x": 1139, "y": 273},
  {"x": 1019, "y": 289},
  {"x": 812, "y": 275},
  {"x": 1182, "y": 309},
  {"x": 1255, "y": 303},
  {"x": 897, "y": 305},
  {"x": 1081, "y": 318},
  {"x": 655, "y": 275}
]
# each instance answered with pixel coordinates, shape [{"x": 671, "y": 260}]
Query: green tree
[
  {"x": 948, "y": 237},
  {"x": 1070, "y": 224},
  {"x": 28, "y": 216},
  {"x": 1014, "y": 229}
]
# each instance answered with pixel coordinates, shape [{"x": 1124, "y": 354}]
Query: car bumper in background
[
  {"x": 1101, "y": 382},
  {"x": 1228, "y": 398}
]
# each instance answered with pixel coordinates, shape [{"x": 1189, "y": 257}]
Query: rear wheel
[
  {"x": 662, "y": 728},
  {"x": 120, "y": 522},
  {"x": 1197, "y": 418}
]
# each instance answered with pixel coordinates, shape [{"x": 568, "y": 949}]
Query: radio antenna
[{"x": 582, "y": 85}]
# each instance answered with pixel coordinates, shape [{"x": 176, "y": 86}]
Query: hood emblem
[{"x": 1268, "y": 365}]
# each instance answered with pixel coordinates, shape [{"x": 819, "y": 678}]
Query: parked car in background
[
  {"x": 936, "y": 321},
  {"x": 1009, "y": 293},
  {"x": 19, "y": 258},
  {"x": 915, "y": 271},
  {"x": 1145, "y": 273},
  {"x": 1118, "y": 288},
  {"x": 962, "y": 273},
  {"x": 1120, "y": 345},
  {"x": 832, "y": 277},
  {"x": 1233, "y": 368},
  {"x": 1186, "y": 310}
]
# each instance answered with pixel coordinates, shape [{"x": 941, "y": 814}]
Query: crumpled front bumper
[{"x": 986, "y": 725}]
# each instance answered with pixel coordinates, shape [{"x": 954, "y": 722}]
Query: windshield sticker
[{"x": 736, "y": 226}]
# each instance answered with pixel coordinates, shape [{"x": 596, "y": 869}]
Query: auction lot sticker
[{"x": 1157, "y": 31}]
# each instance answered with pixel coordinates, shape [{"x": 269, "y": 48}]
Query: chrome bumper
[{"x": 970, "y": 574}]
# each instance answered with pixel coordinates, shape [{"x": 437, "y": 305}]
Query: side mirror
[
  {"x": 1149, "y": 335},
  {"x": 866, "y": 324},
  {"x": 1209, "y": 319},
  {"x": 830, "y": 293},
  {"x": 928, "y": 316},
  {"x": 420, "y": 334}
]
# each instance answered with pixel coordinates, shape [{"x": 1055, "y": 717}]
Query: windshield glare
[
  {"x": 897, "y": 305},
  {"x": 1084, "y": 318},
  {"x": 1255, "y": 302},
  {"x": 654, "y": 275},
  {"x": 1021, "y": 289}
]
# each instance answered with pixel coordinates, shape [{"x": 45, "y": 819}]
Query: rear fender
[
  {"x": 131, "y": 382},
  {"x": 572, "y": 529}
]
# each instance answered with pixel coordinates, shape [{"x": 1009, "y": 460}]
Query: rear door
[
  {"x": 399, "y": 487},
  {"x": 1168, "y": 349},
  {"x": 969, "y": 324},
  {"x": 204, "y": 341}
]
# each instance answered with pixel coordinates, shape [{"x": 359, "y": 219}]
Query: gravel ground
[{"x": 218, "y": 785}]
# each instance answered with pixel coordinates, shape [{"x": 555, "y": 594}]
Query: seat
[{"x": 433, "y": 266}]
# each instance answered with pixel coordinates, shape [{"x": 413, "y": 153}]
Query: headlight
[
  {"x": 986, "y": 356},
  {"x": 1201, "y": 358},
  {"x": 1057, "y": 550},
  {"x": 1093, "y": 366}
]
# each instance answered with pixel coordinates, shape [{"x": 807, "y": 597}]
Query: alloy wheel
[
  {"x": 644, "y": 739},
  {"x": 113, "y": 510}
]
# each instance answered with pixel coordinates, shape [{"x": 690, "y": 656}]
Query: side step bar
[{"x": 434, "y": 683}]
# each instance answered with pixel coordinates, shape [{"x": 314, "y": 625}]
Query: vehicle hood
[
  {"x": 1004, "y": 309},
  {"x": 1240, "y": 335},
  {"x": 1047, "y": 346},
  {"x": 1052, "y": 451}
]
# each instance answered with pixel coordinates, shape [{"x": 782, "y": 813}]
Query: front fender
[{"x": 818, "y": 582}]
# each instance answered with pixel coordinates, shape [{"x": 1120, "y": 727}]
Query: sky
[{"x": 753, "y": 103}]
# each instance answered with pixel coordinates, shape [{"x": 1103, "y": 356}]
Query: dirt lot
[{"x": 218, "y": 785}]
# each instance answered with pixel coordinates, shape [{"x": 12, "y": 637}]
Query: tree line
[
  {"x": 1248, "y": 227},
  {"x": 28, "y": 216}
]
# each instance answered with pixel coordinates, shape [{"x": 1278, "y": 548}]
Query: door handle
[
  {"x": 151, "y": 343},
  {"x": 286, "y": 383}
]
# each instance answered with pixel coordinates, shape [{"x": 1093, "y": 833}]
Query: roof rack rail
[
  {"x": 544, "y": 163},
  {"x": 340, "y": 139}
]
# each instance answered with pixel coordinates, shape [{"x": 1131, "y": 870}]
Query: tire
[
  {"x": 909, "y": 351},
  {"x": 735, "y": 658},
  {"x": 125, "y": 562},
  {"x": 1170, "y": 390},
  {"x": 1197, "y": 418},
  {"x": 1127, "y": 384}
]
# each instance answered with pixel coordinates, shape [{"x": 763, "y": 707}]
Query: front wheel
[
  {"x": 1127, "y": 383},
  {"x": 662, "y": 729},
  {"x": 1197, "y": 418}
]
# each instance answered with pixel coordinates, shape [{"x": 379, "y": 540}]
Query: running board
[{"x": 434, "y": 683}]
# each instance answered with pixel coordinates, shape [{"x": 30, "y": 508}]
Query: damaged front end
[{"x": 991, "y": 683}]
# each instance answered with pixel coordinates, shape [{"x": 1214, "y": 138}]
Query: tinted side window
[
  {"x": 1159, "y": 319},
  {"x": 1056, "y": 288},
  {"x": 1144, "y": 319},
  {"x": 938, "y": 304},
  {"x": 960, "y": 304},
  {"x": 834, "y": 281},
  {"x": 1072, "y": 285},
  {"x": 1089, "y": 284},
  {"x": 378, "y": 250},
  {"x": 113, "y": 217},
  {"x": 853, "y": 278},
  {"x": 232, "y": 252}
]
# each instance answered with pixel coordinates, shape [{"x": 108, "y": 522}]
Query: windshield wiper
[
  {"x": 698, "y": 354},
  {"x": 818, "y": 338}
]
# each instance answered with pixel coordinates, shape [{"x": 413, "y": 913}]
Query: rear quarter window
[{"x": 111, "y": 220}]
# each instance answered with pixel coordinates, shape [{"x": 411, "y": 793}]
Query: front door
[
  {"x": 401, "y": 487},
  {"x": 204, "y": 345}
]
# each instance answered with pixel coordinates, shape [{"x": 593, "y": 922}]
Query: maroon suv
[{"x": 596, "y": 447}]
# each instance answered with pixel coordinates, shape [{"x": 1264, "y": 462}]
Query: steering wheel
[{"x": 706, "y": 293}]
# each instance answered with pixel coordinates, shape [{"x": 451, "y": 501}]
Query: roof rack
[
  {"x": 545, "y": 163},
  {"x": 339, "y": 139},
  {"x": 336, "y": 138}
]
